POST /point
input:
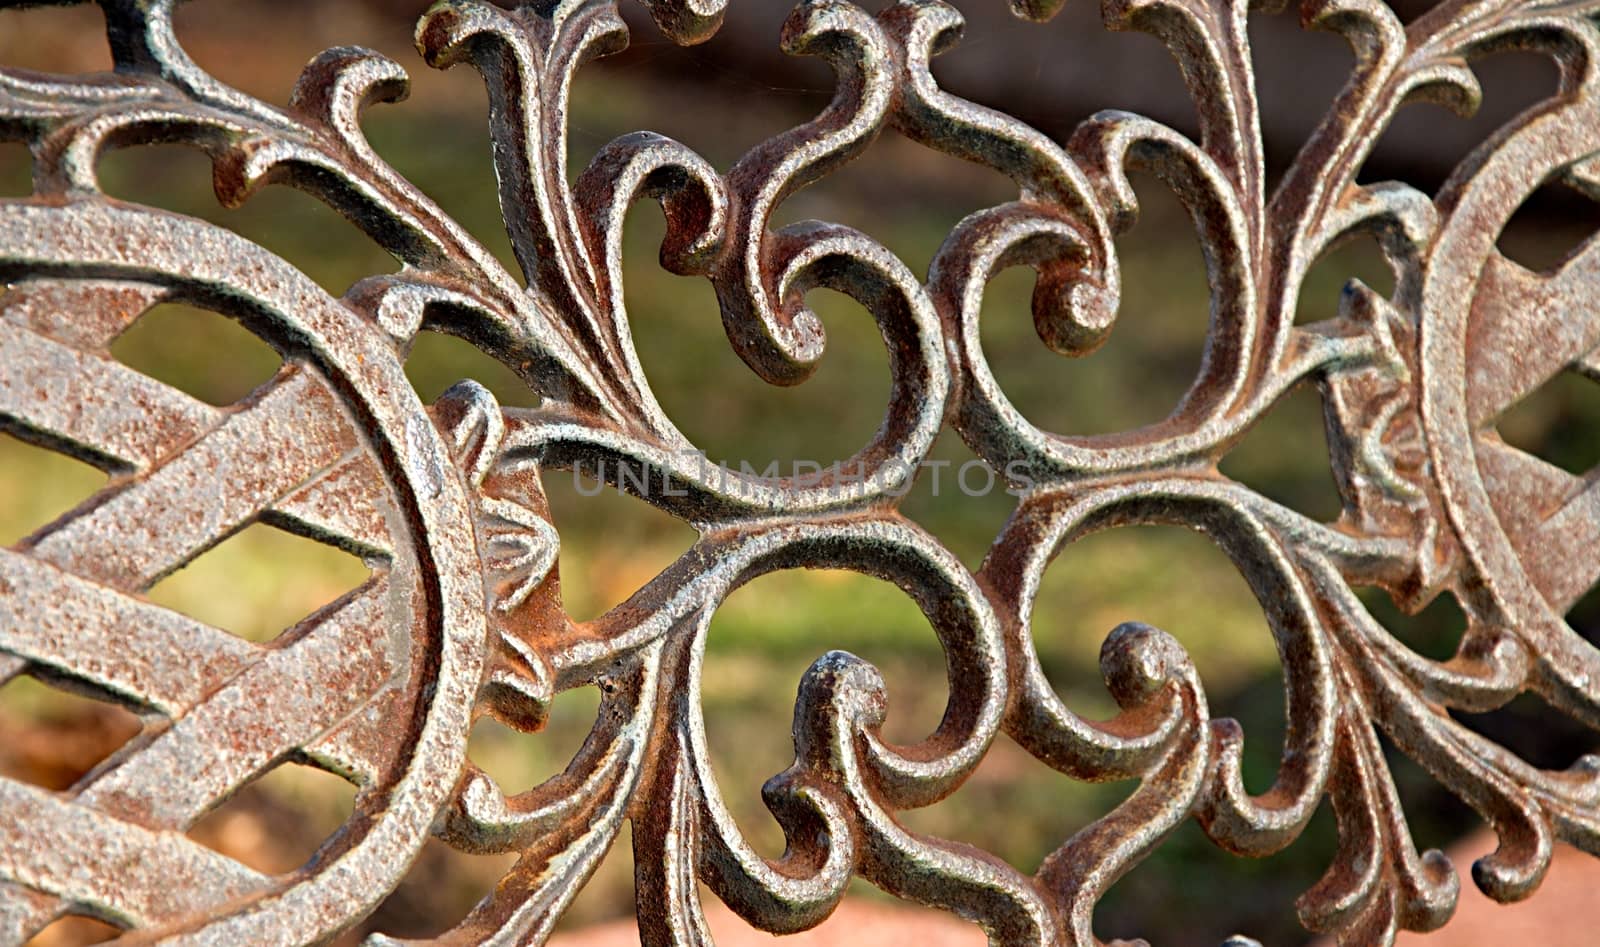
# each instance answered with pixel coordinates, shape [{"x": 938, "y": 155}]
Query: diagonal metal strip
[
  {"x": 20, "y": 909},
  {"x": 94, "y": 400},
  {"x": 123, "y": 870},
  {"x": 1510, "y": 355},
  {"x": 384, "y": 686},
  {"x": 84, "y": 314},
  {"x": 293, "y": 428},
  {"x": 1572, "y": 532},
  {"x": 139, "y": 421},
  {"x": 383, "y": 845},
  {"x": 287, "y": 699},
  {"x": 362, "y": 746},
  {"x": 1526, "y": 489},
  {"x": 344, "y": 507},
  {"x": 303, "y": 431},
  {"x": 1551, "y": 517},
  {"x": 151, "y": 655},
  {"x": 144, "y": 652}
]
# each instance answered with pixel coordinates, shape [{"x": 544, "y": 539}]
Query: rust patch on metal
[{"x": 463, "y": 615}]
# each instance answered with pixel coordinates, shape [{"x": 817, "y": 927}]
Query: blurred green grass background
[{"x": 767, "y": 633}]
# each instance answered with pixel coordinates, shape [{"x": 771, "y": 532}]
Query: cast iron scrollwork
[{"x": 463, "y": 614}]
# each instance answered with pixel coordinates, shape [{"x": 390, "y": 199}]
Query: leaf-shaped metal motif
[{"x": 463, "y": 615}]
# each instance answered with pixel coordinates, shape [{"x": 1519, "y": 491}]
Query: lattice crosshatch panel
[{"x": 462, "y": 615}]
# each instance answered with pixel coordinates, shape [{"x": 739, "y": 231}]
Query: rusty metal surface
[{"x": 462, "y": 615}]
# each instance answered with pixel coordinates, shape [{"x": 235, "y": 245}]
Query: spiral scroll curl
[{"x": 1410, "y": 384}]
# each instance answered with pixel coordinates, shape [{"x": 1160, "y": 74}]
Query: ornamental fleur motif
[{"x": 463, "y": 613}]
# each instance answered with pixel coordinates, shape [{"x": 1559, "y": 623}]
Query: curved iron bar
[{"x": 464, "y": 617}]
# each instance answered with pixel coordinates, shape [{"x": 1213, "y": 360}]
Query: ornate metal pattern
[{"x": 463, "y": 614}]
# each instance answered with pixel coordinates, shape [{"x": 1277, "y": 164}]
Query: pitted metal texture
[{"x": 463, "y": 614}]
